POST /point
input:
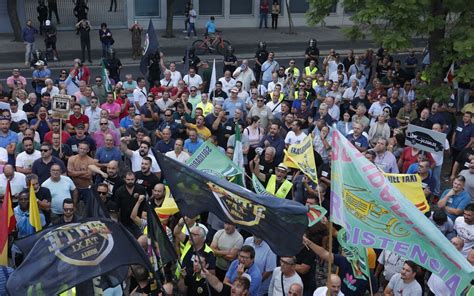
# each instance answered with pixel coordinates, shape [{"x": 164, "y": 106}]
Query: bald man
[
  {"x": 334, "y": 287},
  {"x": 295, "y": 290}
]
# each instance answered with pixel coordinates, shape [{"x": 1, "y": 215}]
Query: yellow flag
[
  {"x": 169, "y": 206},
  {"x": 410, "y": 186},
  {"x": 35, "y": 219},
  {"x": 302, "y": 155}
]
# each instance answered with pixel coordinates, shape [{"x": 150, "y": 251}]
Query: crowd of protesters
[{"x": 109, "y": 141}]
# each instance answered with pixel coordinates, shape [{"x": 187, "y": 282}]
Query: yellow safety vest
[
  {"x": 187, "y": 248},
  {"x": 296, "y": 71},
  {"x": 296, "y": 94},
  {"x": 279, "y": 99},
  {"x": 282, "y": 191},
  {"x": 308, "y": 71},
  {"x": 70, "y": 292}
]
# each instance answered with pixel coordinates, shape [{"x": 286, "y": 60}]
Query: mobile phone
[{"x": 226, "y": 112}]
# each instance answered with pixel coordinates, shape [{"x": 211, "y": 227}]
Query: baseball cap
[
  {"x": 282, "y": 167},
  {"x": 39, "y": 63}
]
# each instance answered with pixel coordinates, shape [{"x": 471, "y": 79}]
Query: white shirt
[
  {"x": 292, "y": 138},
  {"x": 19, "y": 115},
  {"x": 182, "y": 157},
  {"x": 139, "y": 96},
  {"x": 392, "y": 262},
  {"x": 271, "y": 86},
  {"x": 25, "y": 160},
  {"x": 323, "y": 291},
  {"x": 59, "y": 192},
  {"x": 94, "y": 115},
  {"x": 466, "y": 233},
  {"x": 195, "y": 81},
  {"x": 4, "y": 155},
  {"x": 54, "y": 90},
  {"x": 272, "y": 105},
  {"x": 375, "y": 110},
  {"x": 175, "y": 77},
  {"x": 350, "y": 94},
  {"x": 136, "y": 160},
  {"x": 334, "y": 112},
  {"x": 439, "y": 157},
  {"x": 227, "y": 85},
  {"x": 275, "y": 288},
  {"x": 17, "y": 183},
  {"x": 168, "y": 83}
]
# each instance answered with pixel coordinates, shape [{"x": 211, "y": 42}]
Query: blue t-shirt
[
  {"x": 105, "y": 155},
  {"x": 41, "y": 74},
  {"x": 211, "y": 27},
  {"x": 191, "y": 147},
  {"x": 464, "y": 133},
  {"x": 253, "y": 271},
  {"x": 457, "y": 201},
  {"x": 361, "y": 141},
  {"x": 8, "y": 138}
]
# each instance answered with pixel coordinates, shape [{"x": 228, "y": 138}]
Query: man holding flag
[{"x": 28, "y": 218}]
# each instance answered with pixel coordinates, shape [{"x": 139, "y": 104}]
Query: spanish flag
[
  {"x": 7, "y": 224},
  {"x": 35, "y": 219}
]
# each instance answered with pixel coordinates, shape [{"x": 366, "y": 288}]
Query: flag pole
[
  {"x": 370, "y": 277},
  {"x": 330, "y": 258}
]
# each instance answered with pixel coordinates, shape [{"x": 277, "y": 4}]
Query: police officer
[
  {"x": 260, "y": 57},
  {"x": 312, "y": 52},
  {"x": 155, "y": 67},
  {"x": 230, "y": 60},
  {"x": 193, "y": 60}
]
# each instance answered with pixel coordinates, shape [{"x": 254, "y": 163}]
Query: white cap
[{"x": 47, "y": 23}]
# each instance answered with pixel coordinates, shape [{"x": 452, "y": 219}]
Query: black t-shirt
[
  {"x": 350, "y": 284},
  {"x": 73, "y": 142},
  {"x": 230, "y": 58},
  {"x": 262, "y": 56},
  {"x": 308, "y": 257},
  {"x": 356, "y": 101},
  {"x": 146, "y": 181},
  {"x": 126, "y": 202},
  {"x": 44, "y": 194},
  {"x": 426, "y": 124},
  {"x": 463, "y": 158},
  {"x": 114, "y": 184}
]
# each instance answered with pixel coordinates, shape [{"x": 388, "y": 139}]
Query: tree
[
  {"x": 447, "y": 24},
  {"x": 169, "y": 19},
  {"x": 14, "y": 20}
]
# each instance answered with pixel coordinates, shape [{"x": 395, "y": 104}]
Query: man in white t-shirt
[
  {"x": 464, "y": 227},
  {"x": 283, "y": 277},
  {"x": 137, "y": 156},
  {"x": 178, "y": 153},
  {"x": 296, "y": 135},
  {"x": 391, "y": 263},
  {"x": 139, "y": 94},
  {"x": 16, "y": 114},
  {"x": 175, "y": 75},
  {"x": 61, "y": 187},
  {"x": 404, "y": 283},
  {"x": 192, "y": 79},
  {"x": 227, "y": 82},
  {"x": 334, "y": 287},
  {"x": 17, "y": 180},
  {"x": 24, "y": 160}
]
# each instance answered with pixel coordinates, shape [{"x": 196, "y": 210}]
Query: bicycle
[{"x": 208, "y": 45}]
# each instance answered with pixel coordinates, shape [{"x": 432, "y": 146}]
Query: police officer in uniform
[
  {"x": 193, "y": 59},
  {"x": 312, "y": 52},
  {"x": 154, "y": 69},
  {"x": 260, "y": 57},
  {"x": 230, "y": 60}
]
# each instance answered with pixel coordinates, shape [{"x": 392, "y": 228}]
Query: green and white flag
[
  {"x": 208, "y": 158},
  {"x": 258, "y": 186},
  {"x": 239, "y": 156},
  {"x": 105, "y": 78}
]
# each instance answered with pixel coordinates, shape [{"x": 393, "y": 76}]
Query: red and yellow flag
[{"x": 7, "y": 224}]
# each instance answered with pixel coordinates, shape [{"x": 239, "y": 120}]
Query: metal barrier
[{"x": 98, "y": 13}]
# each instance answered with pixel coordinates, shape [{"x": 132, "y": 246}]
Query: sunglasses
[
  {"x": 103, "y": 123},
  {"x": 68, "y": 210},
  {"x": 102, "y": 193},
  {"x": 259, "y": 100},
  {"x": 98, "y": 81},
  {"x": 44, "y": 150}
]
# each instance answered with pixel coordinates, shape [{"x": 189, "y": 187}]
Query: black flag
[
  {"x": 280, "y": 222},
  {"x": 95, "y": 208},
  {"x": 150, "y": 48},
  {"x": 67, "y": 255},
  {"x": 158, "y": 236}
]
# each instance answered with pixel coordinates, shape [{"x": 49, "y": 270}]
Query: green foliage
[{"x": 447, "y": 24}]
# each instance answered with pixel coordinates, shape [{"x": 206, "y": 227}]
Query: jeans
[
  {"x": 263, "y": 18},
  {"x": 105, "y": 49},
  {"x": 86, "y": 44},
  {"x": 274, "y": 21},
  {"x": 113, "y": 2},
  {"x": 30, "y": 47},
  {"x": 463, "y": 97},
  {"x": 191, "y": 28},
  {"x": 437, "y": 176}
]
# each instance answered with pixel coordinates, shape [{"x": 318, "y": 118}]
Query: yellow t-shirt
[{"x": 204, "y": 133}]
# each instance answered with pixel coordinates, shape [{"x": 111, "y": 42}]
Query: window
[
  {"x": 299, "y": 6},
  {"x": 241, "y": 6},
  {"x": 178, "y": 7},
  {"x": 210, "y": 7},
  {"x": 147, "y": 7}
]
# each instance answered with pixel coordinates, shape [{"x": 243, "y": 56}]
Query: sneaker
[
  {"x": 185, "y": 31},
  {"x": 55, "y": 59},
  {"x": 27, "y": 63},
  {"x": 186, "y": 37}
]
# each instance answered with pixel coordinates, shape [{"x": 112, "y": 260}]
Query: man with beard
[
  {"x": 126, "y": 196},
  {"x": 136, "y": 156},
  {"x": 24, "y": 160},
  {"x": 104, "y": 196},
  {"x": 80, "y": 136},
  {"x": 78, "y": 171},
  {"x": 145, "y": 177},
  {"x": 69, "y": 210},
  {"x": 42, "y": 166},
  {"x": 110, "y": 177},
  {"x": 178, "y": 153},
  {"x": 275, "y": 140}
]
